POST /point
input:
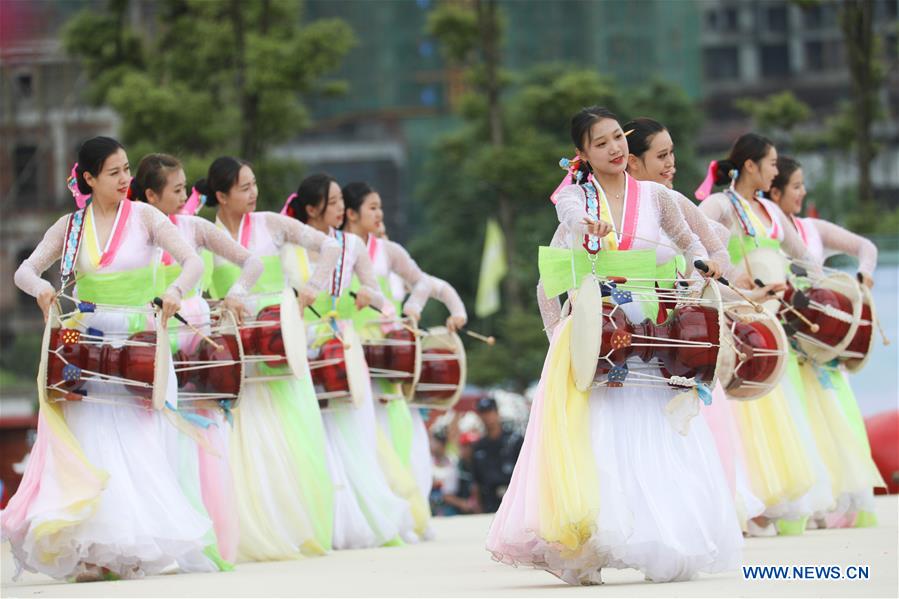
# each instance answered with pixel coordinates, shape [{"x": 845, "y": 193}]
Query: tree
[
  {"x": 471, "y": 36},
  {"x": 209, "y": 76},
  {"x": 866, "y": 69}
]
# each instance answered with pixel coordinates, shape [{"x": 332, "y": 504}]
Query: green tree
[
  {"x": 866, "y": 68},
  {"x": 776, "y": 115},
  {"x": 209, "y": 77}
]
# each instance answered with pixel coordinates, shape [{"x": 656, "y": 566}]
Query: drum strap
[
  {"x": 337, "y": 276},
  {"x": 71, "y": 244}
]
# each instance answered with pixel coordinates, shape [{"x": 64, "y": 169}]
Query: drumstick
[
  {"x": 812, "y": 326},
  {"x": 158, "y": 303},
  {"x": 314, "y": 311},
  {"x": 412, "y": 330},
  {"x": 489, "y": 340},
  {"x": 700, "y": 265}
]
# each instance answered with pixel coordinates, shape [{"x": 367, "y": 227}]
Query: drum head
[
  {"x": 227, "y": 325},
  {"x": 854, "y": 364},
  {"x": 52, "y": 318},
  {"x": 727, "y": 358},
  {"x": 162, "y": 367},
  {"x": 586, "y": 336},
  {"x": 439, "y": 338},
  {"x": 747, "y": 390},
  {"x": 846, "y": 285},
  {"x": 354, "y": 359},
  {"x": 766, "y": 264},
  {"x": 293, "y": 331}
]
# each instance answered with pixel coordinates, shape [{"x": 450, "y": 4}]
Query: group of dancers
[
  {"x": 606, "y": 478},
  {"x": 624, "y": 474},
  {"x": 113, "y": 489}
]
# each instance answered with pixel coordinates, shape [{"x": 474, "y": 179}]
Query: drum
[
  {"x": 268, "y": 347},
  {"x": 393, "y": 354},
  {"x": 855, "y": 356},
  {"x": 833, "y": 304},
  {"x": 443, "y": 371},
  {"x": 337, "y": 364},
  {"x": 703, "y": 339},
  {"x": 83, "y": 363}
]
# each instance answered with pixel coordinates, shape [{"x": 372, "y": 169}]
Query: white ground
[{"x": 456, "y": 564}]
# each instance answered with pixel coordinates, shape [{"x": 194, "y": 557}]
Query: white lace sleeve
[
  {"x": 286, "y": 229},
  {"x": 708, "y": 232},
  {"x": 28, "y": 275},
  {"x": 571, "y": 210},
  {"x": 836, "y": 239},
  {"x": 366, "y": 272},
  {"x": 550, "y": 307},
  {"x": 165, "y": 235},
  {"x": 447, "y": 295},
  {"x": 221, "y": 244},
  {"x": 672, "y": 221},
  {"x": 401, "y": 263},
  {"x": 717, "y": 209}
]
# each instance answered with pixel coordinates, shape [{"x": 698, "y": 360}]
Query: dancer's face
[
  {"x": 112, "y": 182},
  {"x": 605, "y": 148},
  {"x": 331, "y": 211},
  {"x": 762, "y": 173},
  {"x": 174, "y": 194},
  {"x": 370, "y": 216},
  {"x": 241, "y": 198},
  {"x": 790, "y": 199},
  {"x": 657, "y": 163}
]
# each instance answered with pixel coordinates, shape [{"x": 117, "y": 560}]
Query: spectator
[
  {"x": 446, "y": 478},
  {"x": 465, "y": 499},
  {"x": 494, "y": 456}
]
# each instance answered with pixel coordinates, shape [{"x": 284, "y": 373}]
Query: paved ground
[{"x": 456, "y": 565}]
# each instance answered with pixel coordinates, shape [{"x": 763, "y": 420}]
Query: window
[
  {"x": 721, "y": 64},
  {"x": 777, "y": 19},
  {"x": 775, "y": 60},
  {"x": 824, "y": 56},
  {"x": 25, "y": 169},
  {"x": 724, "y": 20},
  {"x": 24, "y": 84}
]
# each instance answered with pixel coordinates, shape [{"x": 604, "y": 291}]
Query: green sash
[
  {"x": 127, "y": 288},
  {"x": 270, "y": 281},
  {"x": 557, "y": 277}
]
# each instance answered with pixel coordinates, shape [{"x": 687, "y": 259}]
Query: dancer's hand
[
  {"x": 713, "y": 272},
  {"x": 599, "y": 228},
  {"x": 363, "y": 298},
  {"x": 455, "y": 323},
  {"x": 761, "y": 294},
  {"x": 45, "y": 299},
  {"x": 867, "y": 280},
  {"x": 237, "y": 307},
  {"x": 306, "y": 297},
  {"x": 170, "y": 304}
]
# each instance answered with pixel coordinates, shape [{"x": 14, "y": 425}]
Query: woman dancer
[
  {"x": 284, "y": 492},
  {"x": 651, "y": 158},
  {"x": 591, "y": 488},
  {"x": 99, "y": 498},
  {"x": 367, "y": 513},
  {"x": 402, "y": 423},
  {"x": 204, "y": 469},
  {"x": 785, "y": 469},
  {"x": 831, "y": 404}
]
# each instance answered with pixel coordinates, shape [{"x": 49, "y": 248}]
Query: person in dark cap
[{"x": 494, "y": 456}]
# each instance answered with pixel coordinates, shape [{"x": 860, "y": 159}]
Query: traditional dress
[
  {"x": 203, "y": 468},
  {"x": 784, "y": 466},
  {"x": 832, "y": 407},
  {"x": 367, "y": 512},
  {"x": 277, "y": 448},
  {"x": 98, "y": 489},
  {"x": 401, "y": 423},
  {"x": 603, "y": 479}
]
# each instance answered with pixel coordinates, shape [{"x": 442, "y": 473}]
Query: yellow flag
[{"x": 493, "y": 269}]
